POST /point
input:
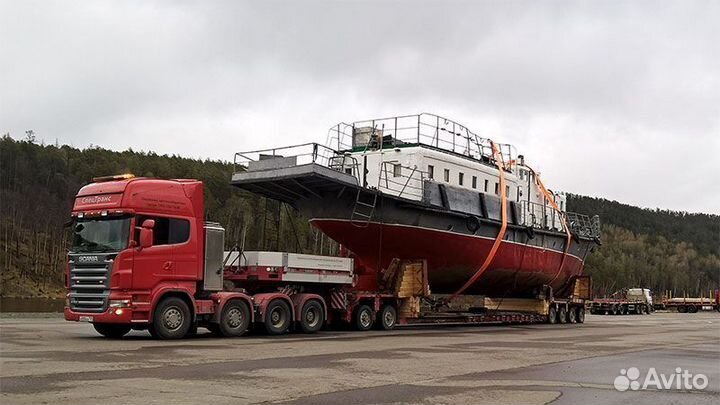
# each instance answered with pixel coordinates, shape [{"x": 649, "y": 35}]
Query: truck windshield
[{"x": 101, "y": 234}]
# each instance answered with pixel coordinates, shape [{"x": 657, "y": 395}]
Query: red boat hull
[{"x": 517, "y": 269}]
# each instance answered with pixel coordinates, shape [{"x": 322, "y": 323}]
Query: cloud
[{"x": 620, "y": 100}]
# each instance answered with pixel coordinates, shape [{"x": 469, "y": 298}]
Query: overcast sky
[{"x": 612, "y": 99}]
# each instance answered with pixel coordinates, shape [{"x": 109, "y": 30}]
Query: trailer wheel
[
  {"x": 580, "y": 315},
  {"x": 682, "y": 309},
  {"x": 112, "y": 330},
  {"x": 552, "y": 315},
  {"x": 234, "y": 319},
  {"x": 562, "y": 314},
  {"x": 387, "y": 318},
  {"x": 572, "y": 315},
  {"x": 692, "y": 309},
  {"x": 277, "y": 317},
  {"x": 312, "y": 317},
  {"x": 364, "y": 318},
  {"x": 171, "y": 319}
]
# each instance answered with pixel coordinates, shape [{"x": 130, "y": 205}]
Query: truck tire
[
  {"x": 171, "y": 319},
  {"x": 572, "y": 315},
  {"x": 580, "y": 315},
  {"x": 682, "y": 309},
  {"x": 234, "y": 319},
  {"x": 364, "y": 318},
  {"x": 112, "y": 330},
  {"x": 312, "y": 317},
  {"x": 692, "y": 309},
  {"x": 387, "y": 318},
  {"x": 552, "y": 315},
  {"x": 277, "y": 317},
  {"x": 562, "y": 314}
]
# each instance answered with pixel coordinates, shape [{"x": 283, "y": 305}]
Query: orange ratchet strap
[
  {"x": 549, "y": 197},
  {"x": 503, "y": 226}
]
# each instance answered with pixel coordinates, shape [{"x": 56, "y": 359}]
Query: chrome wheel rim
[
  {"x": 234, "y": 318},
  {"x": 312, "y": 317},
  {"x": 389, "y": 318},
  {"x": 173, "y": 318},
  {"x": 277, "y": 318},
  {"x": 365, "y": 319}
]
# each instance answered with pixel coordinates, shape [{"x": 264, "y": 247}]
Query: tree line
[{"x": 656, "y": 249}]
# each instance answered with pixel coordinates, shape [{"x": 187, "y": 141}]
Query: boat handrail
[{"x": 416, "y": 129}]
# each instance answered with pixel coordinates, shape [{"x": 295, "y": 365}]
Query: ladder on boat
[{"x": 365, "y": 203}]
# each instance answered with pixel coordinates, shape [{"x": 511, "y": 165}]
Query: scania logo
[{"x": 88, "y": 259}]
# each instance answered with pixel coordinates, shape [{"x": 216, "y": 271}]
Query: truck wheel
[
  {"x": 312, "y": 317},
  {"x": 572, "y": 315},
  {"x": 562, "y": 314},
  {"x": 234, "y": 319},
  {"x": 387, "y": 318},
  {"x": 171, "y": 319},
  {"x": 552, "y": 315},
  {"x": 682, "y": 309},
  {"x": 580, "y": 315},
  {"x": 112, "y": 330},
  {"x": 277, "y": 317},
  {"x": 692, "y": 309},
  {"x": 364, "y": 318}
]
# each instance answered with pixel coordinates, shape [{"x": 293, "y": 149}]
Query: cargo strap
[
  {"x": 503, "y": 226},
  {"x": 550, "y": 199}
]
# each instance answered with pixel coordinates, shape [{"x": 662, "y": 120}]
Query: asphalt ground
[{"x": 48, "y": 360}]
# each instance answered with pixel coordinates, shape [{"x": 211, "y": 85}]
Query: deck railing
[{"x": 419, "y": 129}]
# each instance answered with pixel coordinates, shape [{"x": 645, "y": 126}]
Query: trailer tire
[
  {"x": 312, "y": 317},
  {"x": 112, "y": 330},
  {"x": 277, "y": 317},
  {"x": 572, "y": 315},
  {"x": 364, "y": 318},
  {"x": 562, "y": 314},
  {"x": 552, "y": 315},
  {"x": 692, "y": 309},
  {"x": 234, "y": 319},
  {"x": 580, "y": 315},
  {"x": 682, "y": 309},
  {"x": 171, "y": 319},
  {"x": 387, "y": 318}
]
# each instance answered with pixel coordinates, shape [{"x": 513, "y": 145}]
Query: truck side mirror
[{"x": 146, "y": 233}]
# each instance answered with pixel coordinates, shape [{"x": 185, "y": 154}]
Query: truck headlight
[{"x": 119, "y": 303}]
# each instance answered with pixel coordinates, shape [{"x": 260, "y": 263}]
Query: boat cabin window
[
  {"x": 461, "y": 176},
  {"x": 431, "y": 171},
  {"x": 507, "y": 191},
  {"x": 497, "y": 189},
  {"x": 397, "y": 170},
  {"x": 447, "y": 175},
  {"x": 486, "y": 185},
  {"x": 474, "y": 182}
]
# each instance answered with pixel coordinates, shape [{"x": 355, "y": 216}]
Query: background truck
[
  {"x": 631, "y": 301},
  {"x": 143, "y": 257},
  {"x": 690, "y": 304}
]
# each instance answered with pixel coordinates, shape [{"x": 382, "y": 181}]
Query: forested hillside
[{"x": 657, "y": 249}]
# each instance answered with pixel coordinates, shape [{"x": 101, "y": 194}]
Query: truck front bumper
[{"x": 112, "y": 315}]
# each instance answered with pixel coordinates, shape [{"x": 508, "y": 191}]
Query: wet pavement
[{"x": 48, "y": 360}]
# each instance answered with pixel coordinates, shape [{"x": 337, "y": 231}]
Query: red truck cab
[{"x": 139, "y": 253}]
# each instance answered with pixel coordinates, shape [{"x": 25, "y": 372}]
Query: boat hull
[{"x": 517, "y": 269}]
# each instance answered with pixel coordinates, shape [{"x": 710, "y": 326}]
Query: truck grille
[{"x": 90, "y": 281}]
